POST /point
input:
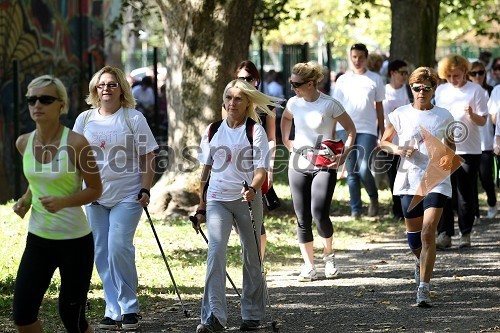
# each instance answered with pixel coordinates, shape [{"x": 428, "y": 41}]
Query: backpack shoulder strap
[
  {"x": 249, "y": 126},
  {"x": 87, "y": 117},
  {"x": 214, "y": 127}
]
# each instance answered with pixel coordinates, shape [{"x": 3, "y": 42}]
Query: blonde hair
[
  {"x": 374, "y": 62},
  {"x": 450, "y": 63},
  {"x": 422, "y": 74},
  {"x": 308, "y": 71},
  {"x": 257, "y": 100},
  {"x": 47, "y": 80},
  {"x": 126, "y": 97}
]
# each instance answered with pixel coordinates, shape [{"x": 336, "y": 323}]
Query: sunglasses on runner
[
  {"x": 475, "y": 73},
  {"x": 297, "y": 84},
  {"x": 111, "y": 85},
  {"x": 247, "y": 78},
  {"x": 420, "y": 88},
  {"x": 44, "y": 99}
]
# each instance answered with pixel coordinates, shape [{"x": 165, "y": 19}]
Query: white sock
[{"x": 424, "y": 284}]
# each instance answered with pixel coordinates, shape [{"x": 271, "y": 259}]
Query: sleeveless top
[{"x": 59, "y": 177}]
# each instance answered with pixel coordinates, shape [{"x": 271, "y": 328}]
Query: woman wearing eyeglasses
[
  {"x": 123, "y": 143},
  {"x": 55, "y": 159},
  {"x": 422, "y": 180},
  {"x": 467, "y": 102},
  {"x": 312, "y": 186},
  {"x": 477, "y": 74}
]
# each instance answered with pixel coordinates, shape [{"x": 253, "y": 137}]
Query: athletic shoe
[
  {"x": 356, "y": 216},
  {"x": 212, "y": 325},
  {"x": 477, "y": 220},
  {"x": 108, "y": 324},
  {"x": 308, "y": 274},
  {"x": 464, "y": 241},
  {"x": 443, "y": 241},
  {"x": 331, "y": 269},
  {"x": 130, "y": 321},
  {"x": 373, "y": 208},
  {"x": 492, "y": 212},
  {"x": 424, "y": 297},
  {"x": 250, "y": 325},
  {"x": 417, "y": 271}
]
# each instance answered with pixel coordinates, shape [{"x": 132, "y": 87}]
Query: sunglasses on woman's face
[
  {"x": 297, "y": 84},
  {"x": 475, "y": 73},
  {"x": 418, "y": 89},
  {"x": 246, "y": 78},
  {"x": 44, "y": 99}
]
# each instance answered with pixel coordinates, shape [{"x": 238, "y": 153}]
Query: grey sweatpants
[{"x": 220, "y": 216}]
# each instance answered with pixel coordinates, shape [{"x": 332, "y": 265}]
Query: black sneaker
[
  {"x": 108, "y": 324},
  {"x": 212, "y": 325},
  {"x": 250, "y": 325},
  {"x": 130, "y": 321}
]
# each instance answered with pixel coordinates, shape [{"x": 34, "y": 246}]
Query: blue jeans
[
  {"x": 358, "y": 168},
  {"x": 114, "y": 229}
]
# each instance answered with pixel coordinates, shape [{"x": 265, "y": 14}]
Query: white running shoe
[
  {"x": 443, "y": 241},
  {"x": 492, "y": 212},
  {"x": 464, "y": 241},
  {"x": 424, "y": 297},
  {"x": 331, "y": 269},
  {"x": 308, "y": 274}
]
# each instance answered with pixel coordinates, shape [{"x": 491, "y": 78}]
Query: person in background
[
  {"x": 312, "y": 187},
  {"x": 421, "y": 220},
  {"x": 494, "y": 107},
  {"x": 467, "y": 102},
  {"x": 396, "y": 95},
  {"x": 145, "y": 98},
  {"x": 477, "y": 74},
  {"x": 120, "y": 135},
  {"x": 55, "y": 159},
  {"x": 272, "y": 87},
  {"x": 227, "y": 203},
  {"x": 494, "y": 73},
  {"x": 361, "y": 93},
  {"x": 374, "y": 62}
]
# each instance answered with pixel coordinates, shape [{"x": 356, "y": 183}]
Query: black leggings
[
  {"x": 312, "y": 193},
  {"x": 486, "y": 167},
  {"x": 41, "y": 257}
]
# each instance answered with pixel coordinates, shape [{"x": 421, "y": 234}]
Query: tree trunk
[
  {"x": 205, "y": 41},
  {"x": 414, "y": 31}
]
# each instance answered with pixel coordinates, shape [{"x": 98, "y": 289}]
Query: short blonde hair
[
  {"x": 374, "y": 62},
  {"x": 309, "y": 71},
  {"x": 127, "y": 98},
  {"x": 422, "y": 74},
  {"x": 47, "y": 80},
  {"x": 450, "y": 63},
  {"x": 257, "y": 100}
]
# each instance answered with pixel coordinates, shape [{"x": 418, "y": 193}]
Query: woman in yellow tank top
[{"x": 55, "y": 159}]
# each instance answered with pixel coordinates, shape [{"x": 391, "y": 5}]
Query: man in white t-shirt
[{"x": 361, "y": 92}]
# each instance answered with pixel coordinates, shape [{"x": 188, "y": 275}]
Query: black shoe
[
  {"x": 250, "y": 325},
  {"x": 130, "y": 321},
  {"x": 108, "y": 324},
  {"x": 212, "y": 325}
]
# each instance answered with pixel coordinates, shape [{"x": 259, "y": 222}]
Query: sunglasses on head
[
  {"x": 246, "y": 78},
  {"x": 111, "y": 85},
  {"x": 475, "y": 73},
  {"x": 420, "y": 88},
  {"x": 297, "y": 84},
  {"x": 44, "y": 99}
]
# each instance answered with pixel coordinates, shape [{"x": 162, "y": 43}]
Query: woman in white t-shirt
[
  {"x": 422, "y": 180},
  {"x": 229, "y": 158},
  {"x": 123, "y": 144},
  {"x": 467, "y": 102},
  {"x": 312, "y": 187}
]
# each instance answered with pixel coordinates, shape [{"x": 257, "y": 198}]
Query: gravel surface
[{"x": 375, "y": 292}]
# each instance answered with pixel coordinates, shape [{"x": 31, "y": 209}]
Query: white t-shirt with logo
[
  {"x": 467, "y": 135},
  {"x": 407, "y": 122},
  {"x": 230, "y": 155},
  {"x": 313, "y": 124},
  {"x": 358, "y": 93},
  {"x": 116, "y": 151}
]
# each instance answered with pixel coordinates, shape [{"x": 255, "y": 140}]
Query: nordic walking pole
[
  {"x": 194, "y": 222},
  {"x": 186, "y": 313},
  {"x": 274, "y": 324}
]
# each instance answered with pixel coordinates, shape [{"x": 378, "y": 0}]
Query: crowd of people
[{"x": 438, "y": 131}]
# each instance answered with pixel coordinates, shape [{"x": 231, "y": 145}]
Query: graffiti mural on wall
[{"x": 44, "y": 37}]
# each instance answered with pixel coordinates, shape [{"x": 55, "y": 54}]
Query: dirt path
[{"x": 375, "y": 292}]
